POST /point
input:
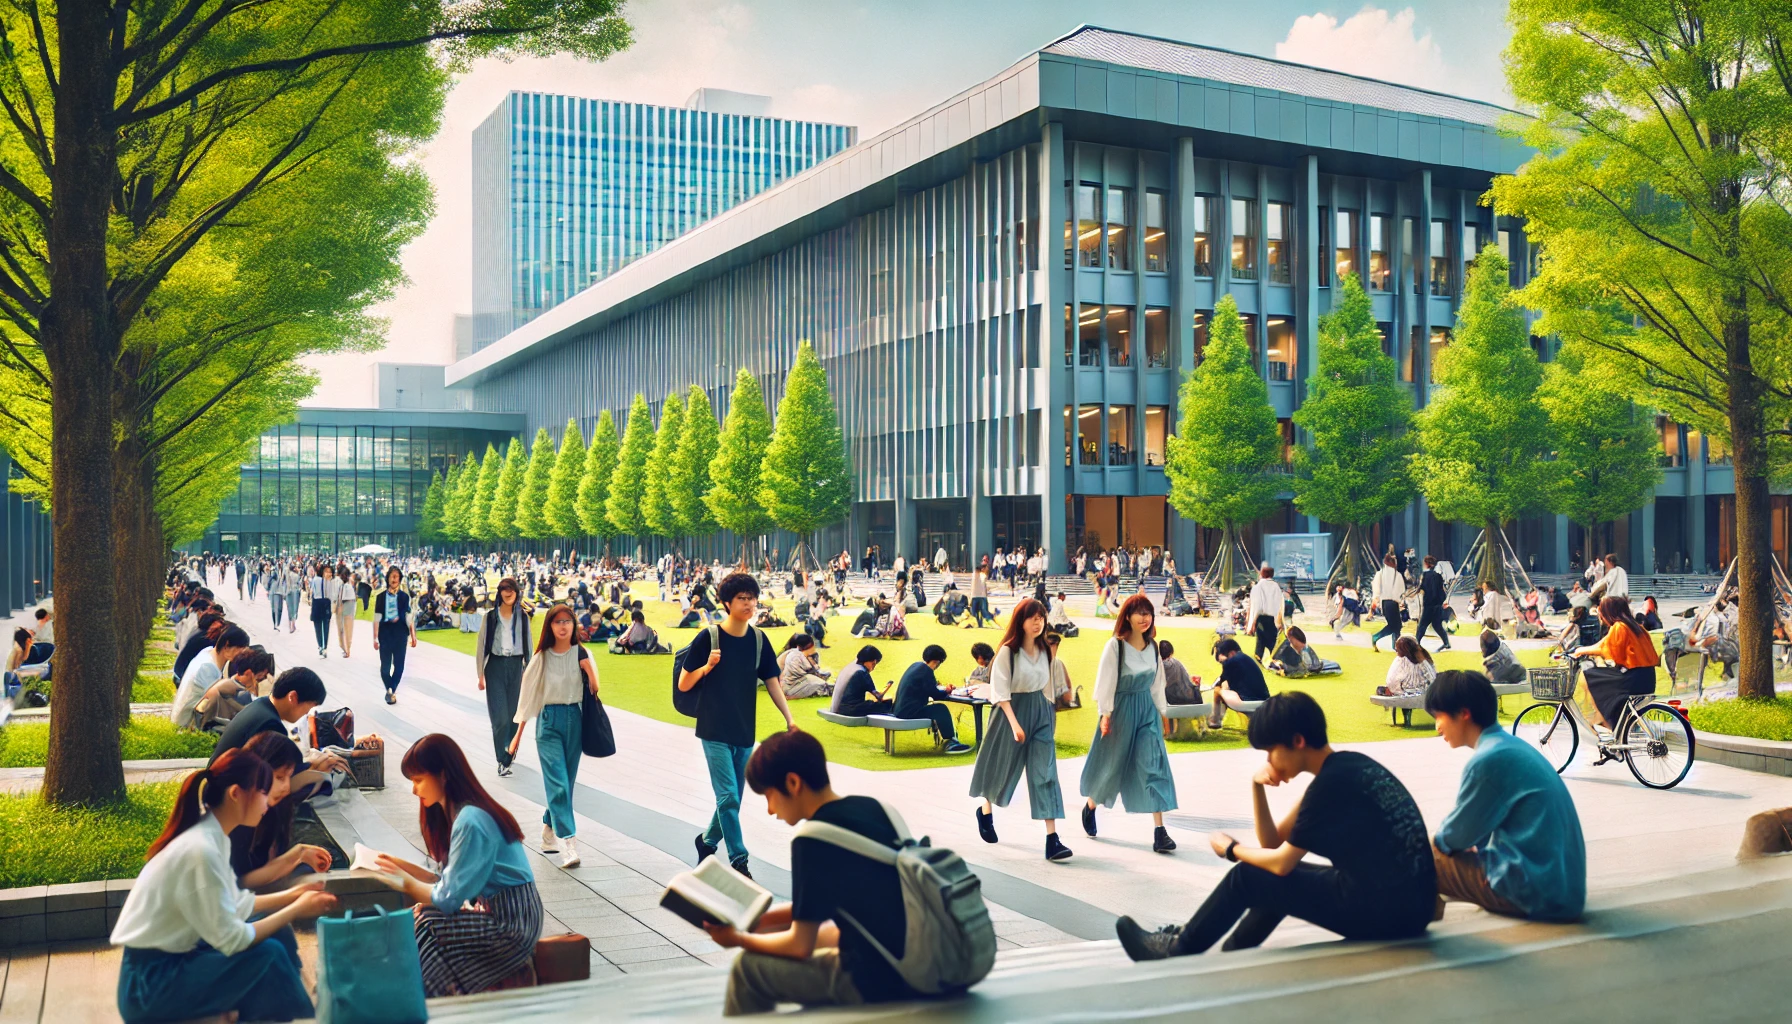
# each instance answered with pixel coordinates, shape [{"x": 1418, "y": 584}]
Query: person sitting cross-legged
[
  {"x": 917, "y": 692},
  {"x": 1296, "y": 657},
  {"x": 1513, "y": 843},
  {"x": 1381, "y": 884}
]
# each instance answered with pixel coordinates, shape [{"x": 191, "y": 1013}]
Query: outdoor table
[{"x": 976, "y": 704}]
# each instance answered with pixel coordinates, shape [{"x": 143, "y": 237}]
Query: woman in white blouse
[
  {"x": 1127, "y": 758},
  {"x": 553, "y": 693},
  {"x": 190, "y": 948},
  {"x": 323, "y": 601},
  {"x": 1412, "y": 671},
  {"x": 346, "y": 592},
  {"x": 1023, "y": 737}
]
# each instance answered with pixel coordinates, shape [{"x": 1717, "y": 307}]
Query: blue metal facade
[
  {"x": 566, "y": 191},
  {"x": 25, "y": 564}
]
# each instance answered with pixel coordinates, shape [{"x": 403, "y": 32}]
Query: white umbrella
[{"x": 371, "y": 549}]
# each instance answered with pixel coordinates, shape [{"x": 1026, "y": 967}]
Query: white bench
[
  {"x": 1407, "y": 704},
  {"x": 890, "y": 724},
  {"x": 1204, "y": 710}
]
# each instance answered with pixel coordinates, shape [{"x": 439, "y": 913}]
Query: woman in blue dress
[
  {"x": 1023, "y": 737},
  {"x": 1127, "y": 759}
]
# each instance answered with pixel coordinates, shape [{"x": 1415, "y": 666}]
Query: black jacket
[{"x": 1431, "y": 587}]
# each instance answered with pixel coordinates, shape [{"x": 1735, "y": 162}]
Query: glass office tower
[{"x": 567, "y": 191}]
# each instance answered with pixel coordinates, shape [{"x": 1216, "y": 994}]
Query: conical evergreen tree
[
  {"x": 479, "y": 516},
  {"x": 594, "y": 485},
  {"x": 452, "y": 516},
  {"x": 733, "y": 495},
  {"x": 429, "y": 518},
  {"x": 657, "y": 513},
  {"x": 696, "y": 449},
  {"x": 532, "y": 505},
  {"x": 563, "y": 487},
  {"x": 805, "y": 482},
  {"x": 501, "y": 518},
  {"x": 623, "y": 505}
]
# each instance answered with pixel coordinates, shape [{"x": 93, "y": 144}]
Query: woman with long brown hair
[
  {"x": 500, "y": 654},
  {"x": 190, "y": 947},
  {"x": 477, "y": 847},
  {"x": 553, "y": 693},
  {"x": 1023, "y": 737},
  {"x": 1628, "y": 646},
  {"x": 1127, "y": 758},
  {"x": 259, "y": 853}
]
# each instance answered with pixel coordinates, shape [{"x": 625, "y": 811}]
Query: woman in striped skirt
[{"x": 477, "y": 919}]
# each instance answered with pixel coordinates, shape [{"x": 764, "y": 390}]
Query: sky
[{"x": 873, "y": 65}]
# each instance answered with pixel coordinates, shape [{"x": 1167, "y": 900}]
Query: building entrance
[{"x": 941, "y": 524}]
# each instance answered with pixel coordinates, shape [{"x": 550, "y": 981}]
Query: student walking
[
  {"x": 323, "y": 599},
  {"x": 1265, "y": 614},
  {"x": 552, "y": 693},
  {"x": 345, "y": 608},
  {"x": 295, "y": 596},
  {"x": 276, "y": 591},
  {"x": 500, "y": 653},
  {"x": 1431, "y": 602},
  {"x": 394, "y": 625},
  {"x": 1388, "y": 591},
  {"x": 725, "y": 665},
  {"x": 980, "y": 596},
  {"x": 1127, "y": 758},
  {"x": 1023, "y": 737}
]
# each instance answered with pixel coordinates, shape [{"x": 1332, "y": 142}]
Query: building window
[
  {"x": 1671, "y": 455},
  {"x": 1347, "y": 260},
  {"x": 1157, "y": 232},
  {"x": 1069, "y": 334},
  {"x": 1120, "y": 446},
  {"x": 1380, "y": 266},
  {"x": 1440, "y": 340},
  {"x": 1088, "y": 335},
  {"x": 1250, "y": 334},
  {"x": 1325, "y": 245},
  {"x": 1440, "y": 257},
  {"x": 1119, "y": 212},
  {"x": 1415, "y": 341},
  {"x": 1203, "y": 252},
  {"x": 1069, "y": 434},
  {"x": 1157, "y": 338},
  {"x": 1200, "y": 336},
  {"x": 1244, "y": 239},
  {"x": 1283, "y": 356},
  {"x": 1281, "y": 243},
  {"x": 1088, "y": 435},
  {"x": 1157, "y": 427},
  {"x": 1386, "y": 330},
  {"x": 1120, "y": 335},
  {"x": 1409, "y": 254},
  {"x": 1471, "y": 247},
  {"x": 1088, "y": 225}
]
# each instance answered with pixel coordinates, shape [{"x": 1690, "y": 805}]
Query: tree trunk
[
  {"x": 1754, "y": 551},
  {"x": 80, "y": 343},
  {"x": 138, "y": 552}
]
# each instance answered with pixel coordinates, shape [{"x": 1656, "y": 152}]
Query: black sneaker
[
  {"x": 741, "y": 866},
  {"x": 503, "y": 771},
  {"x": 1143, "y": 945},
  {"x": 1161, "y": 841},
  {"x": 391, "y": 698},
  {"x": 1055, "y": 848},
  {"x": 986, "y": 825},
  {"x": 1089, "y": 820},
  {"x": 703, "y": 849}
]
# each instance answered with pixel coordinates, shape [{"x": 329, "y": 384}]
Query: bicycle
[{"x": 1652, "y": 737}]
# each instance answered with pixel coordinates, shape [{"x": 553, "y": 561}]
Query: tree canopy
[
  {"x": 594, "y": 485},
  {"x": 531, "y": 512},
  {"x": 1225, "y": 462},
  {"x": 658, "y": 514},
  {"x": 1608, "y": 452},
  {"x": 429, "y": 517},
  {"x": 805, "y": 482},
  {"x": 457, "y": 518},
  {"x": 501, "y": 518},
  {"x": 622, "y": 506},
  {"x": 563, "y": 486},
  {"x": 733, "y": 495},
  {"x": 696, "y": 450},
  {"x": 479, "y": 517}
]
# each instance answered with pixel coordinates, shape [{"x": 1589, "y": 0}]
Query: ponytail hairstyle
[
  {"x": 205, "y": 789},
  {"x": 274, "y": 834},
  {"x": 442, "y": 759}
]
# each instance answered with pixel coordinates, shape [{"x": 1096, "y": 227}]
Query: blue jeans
[
  {"x": 980, "y": 610},
  {"x": 727, "y": 774},
  {"x": 260, "y": 983},
  {"x": 558, "y": 743}
]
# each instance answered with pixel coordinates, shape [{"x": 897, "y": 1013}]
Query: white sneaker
[
  {"x": 549, "y": 842},
  {"x": 571, "y": 847}
]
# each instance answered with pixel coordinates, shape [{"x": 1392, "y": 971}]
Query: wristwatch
[{"x": 1232, "y": 852}]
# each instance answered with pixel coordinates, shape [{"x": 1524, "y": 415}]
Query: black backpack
[{"x": 685, "y": 701}]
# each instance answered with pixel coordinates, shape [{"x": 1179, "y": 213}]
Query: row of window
[
  {"x": 303, "y": 446},
  {"x": 1105, "y": 435},
  {"x": 291, "y": 493},
  {"x": 1097, "y": 335}
]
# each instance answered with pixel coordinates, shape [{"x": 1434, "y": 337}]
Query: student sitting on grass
[
  {"x": 856, "y": 693},
  {"x": 1296, "y": 657},
  {"x": 190, "y": 949},
  {"x": 1381, "y": 883},
  {"x": 1513, "y": 842},
  {"x": 917, "y": 692},
  {"x": 202, "y": 672},
  {"x": 802, "y": 676},
  {"x": 805, "y": 951},
  {"x": 639, "y": 638},
  {"x": 252, "y": 847}
]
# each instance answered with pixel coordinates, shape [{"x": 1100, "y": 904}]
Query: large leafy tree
[
  {"x": 1659, "y": 199},
  {"x": 622, "y": 505},
  {"x": 733, "y": 495},
  {"x": 594, "y": 486},
  {"x": 696, "y": 449},
  {"x": 1607, "y": 460},
  {"x": 1225, "y": 463},
  {"x": 485, "y": 489},
  {"x": 805, "y": 482},
  {"x": 658, "y": 514},
  {"x": 457, "y": 519},
  {"x": 501, "y": 516},
  {"x": 531, "y": 512},
  {"x": 563, "y": 487},
  {"x": 136, "y": 133},
  {"x": 429, "y": 518}
]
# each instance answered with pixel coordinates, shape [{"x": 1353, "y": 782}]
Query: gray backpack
[{"x": 951, "y": 943}]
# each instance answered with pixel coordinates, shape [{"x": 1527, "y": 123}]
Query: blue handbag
[{"x": 368, "y": 971}]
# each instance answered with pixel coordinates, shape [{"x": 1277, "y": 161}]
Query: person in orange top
[{"x": 1628, "y": 646}]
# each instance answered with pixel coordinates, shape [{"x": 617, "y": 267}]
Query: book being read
[
  {"x": 714, "y": 892},
  {"x": 367, "y": 859}
]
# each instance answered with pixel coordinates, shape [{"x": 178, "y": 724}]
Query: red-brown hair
[
  {"x": 206, "y": 788},
  {"x": 547, "y": 628},
  {"x": 1017, "y": 621},
  {"x": 441, "y": 759},
  {"x": 1123, "y": 621}
]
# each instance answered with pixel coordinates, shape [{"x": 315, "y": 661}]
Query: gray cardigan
[{"x": 488, "y": 625}]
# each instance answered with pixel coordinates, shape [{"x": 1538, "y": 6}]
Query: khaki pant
[
  {"x": 1461, "y": 877},
  {"x": 758, "y": 983}
]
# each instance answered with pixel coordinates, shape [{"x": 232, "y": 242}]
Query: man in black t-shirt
[
  {"x": 727, "y": 684},
  {"x": 1431, "y": 602},
  {"x": 295, "y": 694},
  {"x": 806, "y": 951},
  {"x": 1382, "y": 883},
  {"x": 1241, "y": 680}
]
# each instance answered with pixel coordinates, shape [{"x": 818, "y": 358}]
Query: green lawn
[
  {"x": 642, "y": 684},
  {"x": 1756, "y": 719},
  {"x": 27, "y": 744},
  {"x": 40, "y": 845}
]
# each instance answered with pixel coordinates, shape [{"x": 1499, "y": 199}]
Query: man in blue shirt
[
  {"x": 918, "y": 690},
  {"x": 1512, "y": 844}
]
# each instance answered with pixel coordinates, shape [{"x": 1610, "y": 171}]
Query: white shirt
[
  {"x": 201, "y": 673},
  {"x": 186, "y": 895},
  {"x": 1389, "y": 585},
  {"x": 506, "y": 643},
  {"x": 1059, "y": 615},
  {"x": 1266, "y": 599},
  {"x": 46, "y": 633},
  {"x": 1129, "y": 661},
  {"x": 1015, "y": 671},
  {"x": 1615, "y": 583}
]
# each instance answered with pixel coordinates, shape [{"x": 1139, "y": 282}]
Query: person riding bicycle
[{"x": 1630, "y": 649}]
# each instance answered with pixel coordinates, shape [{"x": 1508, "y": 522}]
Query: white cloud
[{"x": 1371, "y": 43}]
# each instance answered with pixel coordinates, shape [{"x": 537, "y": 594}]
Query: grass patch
[
  {"x": 44, "y": 845},
  {"x": 1755, "y": 719},
  {"x": 152, "y": 688},
  {"x": 27, "y": 744},
  {"x": 642, "y": 684}
]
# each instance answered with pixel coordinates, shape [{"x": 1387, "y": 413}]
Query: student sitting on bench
[
  {"x": 1296, "y": 657},
  {"x": 916, "y": 693},
  {"x": 856, "y": 693},
  {"x": 1497, "y": 658}
]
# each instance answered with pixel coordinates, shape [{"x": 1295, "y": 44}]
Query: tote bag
[
  {"x": 368, "y": 971},
  {"x": 595, "y": 737}
]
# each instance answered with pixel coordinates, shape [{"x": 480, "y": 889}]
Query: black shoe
[
  {"x": 986, "y": 825},
  {"x": 741, "y": 866},
  {"x": 704, "y": 849},
  {"x": 1054, "y": 848},
  {"x": 1161, "y": 841},
  {"x": 1089, "y": 820},
  {"x": 391, "y": 698},
  {"x": 1143, "y": 945},
  {"x": 1604, "y": 756}
]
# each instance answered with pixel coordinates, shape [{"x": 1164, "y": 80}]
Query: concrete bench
[
  {"x": 850, "y": 721},
  {"x": 1204, "y": 710},
  {"x": 1405, "y": 704},
  {"x": 890, "y": 724},
  {"x": 1505, "y": 690}
]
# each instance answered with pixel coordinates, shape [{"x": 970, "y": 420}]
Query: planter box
[{"x": 1773, "y": 757}]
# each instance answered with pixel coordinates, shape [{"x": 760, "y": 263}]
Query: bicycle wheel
[
  {"x": 1551, "y": 729},
  {"x": 1661, "y": 746}
]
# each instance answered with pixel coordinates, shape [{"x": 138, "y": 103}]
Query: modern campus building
[
  {"x": 24, "y": 547},
  {"x": 1007, "y": 288},
  {"x": 567, "y": 190}
]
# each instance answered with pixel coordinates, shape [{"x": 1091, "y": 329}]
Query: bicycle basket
[{"x": 1552, "y": 683}]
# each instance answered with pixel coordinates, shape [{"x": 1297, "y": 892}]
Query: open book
[
  {"x": 367, "y": 859},
  {"x": 712, "y": 891}
]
